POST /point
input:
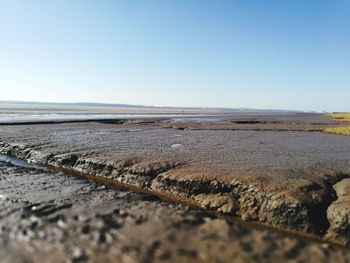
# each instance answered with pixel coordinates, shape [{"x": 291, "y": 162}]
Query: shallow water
[
  {"x": 8, "y": 115},
  {"x": 16, "y": 117},
  {"x": 18, "y": 163}
]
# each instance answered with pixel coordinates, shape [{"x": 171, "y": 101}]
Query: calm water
[{"x": 34, "y": 112}]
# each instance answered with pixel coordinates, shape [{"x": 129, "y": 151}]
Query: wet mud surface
[
  {"x": 279, "y": 170},
  {"x": 64, "y": 218}
]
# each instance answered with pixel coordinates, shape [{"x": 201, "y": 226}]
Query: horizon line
[{"x": 101, "y": 104}]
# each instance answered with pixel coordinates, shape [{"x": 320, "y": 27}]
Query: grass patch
[
  {"x": 342, "y": 130},
  {"x": 343, "y": 117}
]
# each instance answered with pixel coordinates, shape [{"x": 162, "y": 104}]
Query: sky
[{"x": 252, "y": 54}]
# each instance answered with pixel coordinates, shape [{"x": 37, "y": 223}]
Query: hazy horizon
[
  {"x": 102, "y": 104},
  {"x": 229, "y": 54}
]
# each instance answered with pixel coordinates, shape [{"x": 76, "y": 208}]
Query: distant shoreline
[{"x": 120, "y": 105}]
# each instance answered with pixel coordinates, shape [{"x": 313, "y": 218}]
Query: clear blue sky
[{"x": 261, "y": 54}]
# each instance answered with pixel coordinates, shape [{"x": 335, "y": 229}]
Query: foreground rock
[
  {"x": 61, "y": 218},
  {"x": 338, "y": 213},
  {"x": 282, "y": 178}
]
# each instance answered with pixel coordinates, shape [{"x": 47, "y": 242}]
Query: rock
[
  {"x": 218, "y": 202},
  {"x": 338, "y": 214}
]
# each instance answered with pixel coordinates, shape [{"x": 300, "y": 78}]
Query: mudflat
[{"x": 278, "y": 170}]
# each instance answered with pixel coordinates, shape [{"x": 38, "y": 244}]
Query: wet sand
[{"x": 277, "y": 170}]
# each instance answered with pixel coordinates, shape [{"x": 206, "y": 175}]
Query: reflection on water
[
  {"x": 20, "y": 112},
  {"x": 19, "y": 163},
  {"x": 60, "y": 117}
]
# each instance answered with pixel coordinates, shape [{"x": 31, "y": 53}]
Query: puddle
[
  {"x": 19, "y": 163},
  {"x": 175, "y": 145}
]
